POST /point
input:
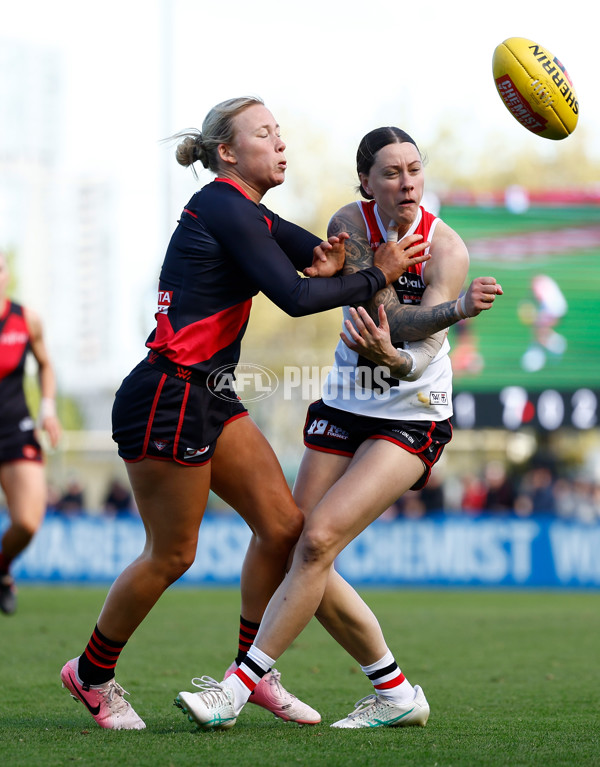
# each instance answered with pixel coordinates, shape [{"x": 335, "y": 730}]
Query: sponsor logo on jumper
[
  {"x": 408, "y": 280},
  {"x": 184, "y": 373},
  {"x": 409, "y": 298},
  {"x": 14, "y": 338},
  {"x": 193, "y": 452},
  {"x": 438, "y": 398},
  {"x": 165, "y": 298},
  {"x": 409, "y": 288}
]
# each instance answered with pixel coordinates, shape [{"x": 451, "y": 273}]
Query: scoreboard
[{"x": 513, "y": 407}]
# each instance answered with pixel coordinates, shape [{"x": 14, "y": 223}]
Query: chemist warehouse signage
[{"x": 436, "y": 551}]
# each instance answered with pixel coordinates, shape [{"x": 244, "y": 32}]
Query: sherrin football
[{"x": 535, "y": 88}]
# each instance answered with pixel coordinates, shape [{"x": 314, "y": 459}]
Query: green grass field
[{"x": 512, "y": 679}]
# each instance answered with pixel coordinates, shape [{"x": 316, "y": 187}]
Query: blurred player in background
[
  {"x": 22, "y": 475},
  {"x": 182, "y": 431},
  {"x": 543, "y": 316},
  {"x": 376, "y": 433}
]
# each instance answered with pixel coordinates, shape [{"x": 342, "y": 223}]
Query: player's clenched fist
[{"x": 480, "y": 296}]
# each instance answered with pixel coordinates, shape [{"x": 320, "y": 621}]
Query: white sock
[
  {"x": 261, "y": 658},
  {"x": 240, "y": 691},
  {"x": 384, "y": 671}
]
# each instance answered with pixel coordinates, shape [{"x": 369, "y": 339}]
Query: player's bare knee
[
  {"x": 282, "y": 530},
  {"x": 316, "y": 547},
  {"x": 25, "y": 530},
  {"x": 175, "y": 563},
  {"x": 176, "y": 568},
  {"x": 292, "y": 527}
]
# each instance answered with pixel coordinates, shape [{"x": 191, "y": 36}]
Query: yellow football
[{"x": 535, "y": 88}]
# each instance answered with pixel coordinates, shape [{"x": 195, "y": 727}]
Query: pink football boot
[
  {"x": 105, "y": 702},
  {"x": 272, "y": 695}
]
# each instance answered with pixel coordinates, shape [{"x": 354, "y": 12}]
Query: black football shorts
[
  {"x": 20, "y": 444},
  {"x": 338, "y": 431},
  {"x": 160, "y": 416}
]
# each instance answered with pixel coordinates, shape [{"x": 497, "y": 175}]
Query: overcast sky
[
  {"x": 142, "y": 69},
  {"x": 137, "y": 71}
]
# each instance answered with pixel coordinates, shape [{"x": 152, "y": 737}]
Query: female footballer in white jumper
[{"x": 376, "y": 433}]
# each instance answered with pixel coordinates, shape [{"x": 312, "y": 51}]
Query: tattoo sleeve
[
  {"x": 358, "y": 251},
  {"x": 407, "y": 323},
  {"x": 413, "y": 323}
]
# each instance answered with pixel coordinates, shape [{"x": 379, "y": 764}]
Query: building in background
[
  {"x": 74, "y": 252},
  {"x": 30, "y": 99}
]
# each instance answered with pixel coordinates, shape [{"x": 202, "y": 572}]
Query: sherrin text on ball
[{"x": 535, "y": 88}]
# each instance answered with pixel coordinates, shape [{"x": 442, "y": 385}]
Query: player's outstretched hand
[
  {"x": 480, "y": 295},
  {"x": 328, "y": 257}
]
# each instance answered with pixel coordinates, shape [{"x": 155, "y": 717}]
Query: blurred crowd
[
  {"x": 540, "y": 490},
  {"x": 118, "y": 499}
]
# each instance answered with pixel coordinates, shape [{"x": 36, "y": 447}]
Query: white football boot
[{"x": 377, "y": 711}]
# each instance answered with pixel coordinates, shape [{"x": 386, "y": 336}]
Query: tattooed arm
[
  {"x": 444, "y": 277},
  {"x": 358, "y": 251}
]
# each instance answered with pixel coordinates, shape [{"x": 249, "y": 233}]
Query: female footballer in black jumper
[
  {"x": 22, "y": 472},
  {"x": 177, "y": 437},
  {"x": 366, "y": 446}
]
